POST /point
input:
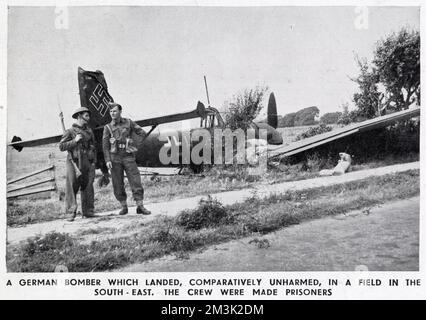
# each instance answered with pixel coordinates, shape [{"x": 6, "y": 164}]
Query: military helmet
[{"x": 78, "y": 111}]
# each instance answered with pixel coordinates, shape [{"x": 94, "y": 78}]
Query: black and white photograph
[{"x": 211, "y": 139}]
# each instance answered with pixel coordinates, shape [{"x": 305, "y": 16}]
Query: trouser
[
  {"x": 83, "y": 183},
  {"x": 124, "y": 162}
]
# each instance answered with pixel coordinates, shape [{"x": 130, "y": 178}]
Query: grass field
[
  {"x": 45, "y": 207},
  {"x": 210, "y": 223}
]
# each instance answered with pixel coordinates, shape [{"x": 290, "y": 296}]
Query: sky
[{"x": 154, "y": 58}]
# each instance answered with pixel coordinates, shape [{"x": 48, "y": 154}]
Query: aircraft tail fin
[
  {"x": 94, "y": 96},
  {"x": 272, "y": 118}
]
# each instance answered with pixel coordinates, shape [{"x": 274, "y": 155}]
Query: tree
[
  {"x": 345, "y": 108},
  {"x": 367, "y": 99},
  {"x": 397, "y": 61},
  {"x": 244, "y": 108},
  {"x": 306, "y": 116},
  {"x": 396, "y": 68},
  {"x": 346, "y": 117},
  {"x": 287, "y": 120},
  {"x": 330, "y": 117},
  {"x": 303, "y": 117}
]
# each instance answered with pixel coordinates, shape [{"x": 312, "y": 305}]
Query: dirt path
[
  {"x": 381, "y": 239},
  {"x": 113, "y": 225}
]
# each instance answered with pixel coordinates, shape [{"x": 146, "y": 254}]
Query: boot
[
  {"x": 89, "y": 214},
  {"x": 124, "y": 210},
  {"x": 71, "y": 217},
  {"x": 142, "y": 210}
]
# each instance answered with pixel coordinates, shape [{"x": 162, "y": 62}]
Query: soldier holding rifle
[{"x": 79, "y": 141}]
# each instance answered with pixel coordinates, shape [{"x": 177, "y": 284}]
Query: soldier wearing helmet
[{"x": 79, "y": 141}]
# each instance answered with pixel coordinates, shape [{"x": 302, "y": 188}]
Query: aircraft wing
[
  {"x": 18, "y": 144},
  {"x": 327, "y": 137},
  {"x": 200, "y": 111}
]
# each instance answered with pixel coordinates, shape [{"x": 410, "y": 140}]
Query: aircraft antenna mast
[
  {"x": 207, "y": 90},
  {"x": 61, "y": 115}
]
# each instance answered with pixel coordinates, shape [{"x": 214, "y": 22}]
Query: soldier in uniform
[
  {"x": 119, "y": 153},
  {"x": 79, "y": 141}
]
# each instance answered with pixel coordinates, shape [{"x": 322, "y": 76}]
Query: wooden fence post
[{"x": 53, "y": 193}]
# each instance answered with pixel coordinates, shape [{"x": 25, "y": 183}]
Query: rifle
[{"x": 76, "y": 168}]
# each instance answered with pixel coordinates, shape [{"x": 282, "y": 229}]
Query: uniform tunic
[
  {"x": 86, "y": 147},
  {"x": 116, "y": 141}
]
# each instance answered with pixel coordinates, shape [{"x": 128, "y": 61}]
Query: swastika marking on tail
[{"x": 99, "y": 94}]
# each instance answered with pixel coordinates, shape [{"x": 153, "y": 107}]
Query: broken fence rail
[
  {"x": 31, "y": 184},
  {"x": 24, "y": 190},
  {"x": 29, "y": 192},
  {"x": 31, "y": 174}
]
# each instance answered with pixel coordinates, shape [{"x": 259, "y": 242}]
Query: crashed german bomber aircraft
[{"x": 94, "y": 95}]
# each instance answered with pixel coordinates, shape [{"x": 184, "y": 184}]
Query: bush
[
  {"x": 263, "y": 222},
  {"x": 314, "y": 162},
  {"x": 350, "y": 117},
  {"x": 43, "y": 254},
  {"x": 244, "y": 108},
  {"x": 331, "y": 117},
  {"x": 209, "y": 213},
  {"x": 322, "y": 128},
  {"x": 51, "y": 241},
  {"x": 287, "y": 120},
  {"x": 174, "y": 239},
  {"x": 306, "y": 116}
]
